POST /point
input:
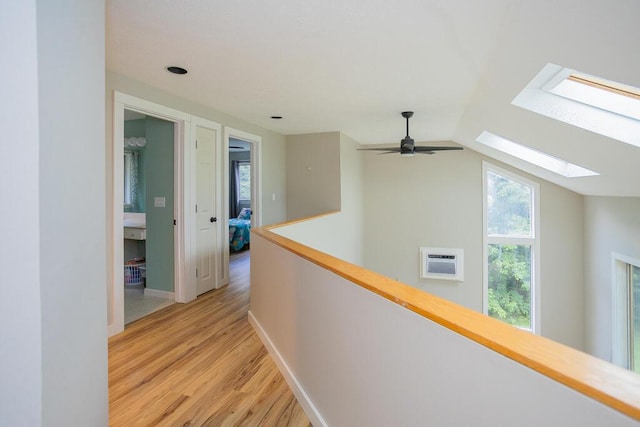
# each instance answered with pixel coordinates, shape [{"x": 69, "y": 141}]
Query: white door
[{"x": 206, "y": 216}]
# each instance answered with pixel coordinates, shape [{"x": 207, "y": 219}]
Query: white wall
[
  {"x": 313, "y": 174},
  {"x": 436, "y": 201},
  {"x": 562, "y": 265},
  {"x": 339, "y": 234},
  {"x": 354, "y": 358},
  {"x": 352, "y": 197},
  {"x": 71, "y": 38},
  {"x": 611, "y": 224},
  {"x": 425, "y": 201},
  {"x": 21, "y": 349},
  {"x": 54, "y": 337}
]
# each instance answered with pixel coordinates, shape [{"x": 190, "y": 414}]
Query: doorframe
[
  {"x": 184, "y": 179},
  {"x": 255, "y": 141}
]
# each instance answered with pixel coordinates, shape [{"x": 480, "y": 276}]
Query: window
[
  {"x": 244, "y": 172},
  {"x": 608, "y": 108},
  {"x": 128, "y": 155},
  {"x": 511, "y": 248},
  {"x": 131, "y": 181},
  {"x": 604, "y": 94},
  {"x": 626, "y": 313},
  {"x": 538, "y": 158}
]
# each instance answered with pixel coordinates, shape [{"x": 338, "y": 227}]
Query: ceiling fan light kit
[{"x": 407, "y": 145}]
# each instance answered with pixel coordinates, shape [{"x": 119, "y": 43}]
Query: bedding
[{"x": 240, "y": 230}]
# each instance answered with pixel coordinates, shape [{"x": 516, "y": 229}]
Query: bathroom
[{"x": 148, "y": 213}]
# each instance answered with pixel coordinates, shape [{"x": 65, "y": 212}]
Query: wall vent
[{"x": 442, "y": 263}]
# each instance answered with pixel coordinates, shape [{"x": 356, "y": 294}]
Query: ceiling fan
[{"x": 407, "y": 145}]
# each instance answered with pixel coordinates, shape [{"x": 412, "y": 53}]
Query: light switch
[{"x": 159, "y": 202}]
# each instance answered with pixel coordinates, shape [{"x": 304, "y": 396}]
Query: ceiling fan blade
[
  {"x": 236, "y": 147},
  {"x": 423, "y": 148},
  {"x": 391, "y": 150}
]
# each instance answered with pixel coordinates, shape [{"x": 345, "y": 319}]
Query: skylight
[
  {"x": 592, "y": 103},
  {"x": 603, "y": 94},
  {"x": 538, "y": 158}
]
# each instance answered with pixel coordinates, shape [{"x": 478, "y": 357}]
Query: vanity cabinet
[{"x": 133, "y": 233}]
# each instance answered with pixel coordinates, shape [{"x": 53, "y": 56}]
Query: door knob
[{"x": 213, "y": 219}]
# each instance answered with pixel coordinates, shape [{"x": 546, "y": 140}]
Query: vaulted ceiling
[{"x": 353, "y": 66}]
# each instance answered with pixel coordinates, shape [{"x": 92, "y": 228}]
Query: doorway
[
  {"x": 148, "y": 212},
  {"x": 242, "y": 159},
  {"x": 175, "y": 209},
  {"x": 240, "y": 210}
]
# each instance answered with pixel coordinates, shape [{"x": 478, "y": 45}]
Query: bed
[{"x": 240, "y": 230}]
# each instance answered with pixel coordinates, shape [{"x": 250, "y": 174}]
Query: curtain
[{"x": 234, "y": 188}]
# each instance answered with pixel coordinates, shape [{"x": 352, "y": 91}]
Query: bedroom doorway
[
  {"x": 239, "y": 195},
  {"x": 242, "y": 188}
]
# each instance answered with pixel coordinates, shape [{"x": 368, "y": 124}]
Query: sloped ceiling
[{"x": 353, "y": 66}]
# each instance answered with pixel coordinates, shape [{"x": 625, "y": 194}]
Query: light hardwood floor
[{"x": 199, "y": 364}]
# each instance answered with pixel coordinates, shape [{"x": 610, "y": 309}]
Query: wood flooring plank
[{"x": 199, "y": 364}]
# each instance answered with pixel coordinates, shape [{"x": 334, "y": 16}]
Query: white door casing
[{"x": 184, "y": 177}]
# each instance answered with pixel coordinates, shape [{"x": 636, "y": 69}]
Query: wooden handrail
[{"x": 593, "y": 377}]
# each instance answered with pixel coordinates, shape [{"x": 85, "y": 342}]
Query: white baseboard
[
  {"x": 158, "y": 293},
  {"x": 309, "y": 408}
]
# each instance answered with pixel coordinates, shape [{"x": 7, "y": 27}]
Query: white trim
[
  {"x": 222, "y": 273},
  {"x": 159, "y": 293},
  {"x": 116, "y": 287},
  {"x": 183, "y": 182},
  {"x": 485, "y": 242},
  {"x": 534, "y": 242},
  {"x": 626, "y": 259},
  {"x": 256, "y": 182},
  {"x": 303, "y": 398},
  {"x": 149, "y": 108},
  {"x": 511, "y": 240}
]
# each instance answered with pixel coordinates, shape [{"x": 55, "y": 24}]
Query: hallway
[{"x": 199, "y": 364}]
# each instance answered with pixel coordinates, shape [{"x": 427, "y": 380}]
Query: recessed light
[
  {"x": 276, "y": 117},
  {"x": 176, "y": 70}
]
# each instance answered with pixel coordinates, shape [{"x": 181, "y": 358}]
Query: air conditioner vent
[{"x": 442, "y": 263}]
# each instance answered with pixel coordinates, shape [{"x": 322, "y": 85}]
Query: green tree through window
[
  {"x": 244, "y": 172},
  {"x": 510, "y": 284},
  {"x": 510, "y": 242}
]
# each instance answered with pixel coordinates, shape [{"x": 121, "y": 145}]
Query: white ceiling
[{"x": 353, "y": 66}]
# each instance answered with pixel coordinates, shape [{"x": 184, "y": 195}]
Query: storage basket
[{"x": 133, "y": 274}]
